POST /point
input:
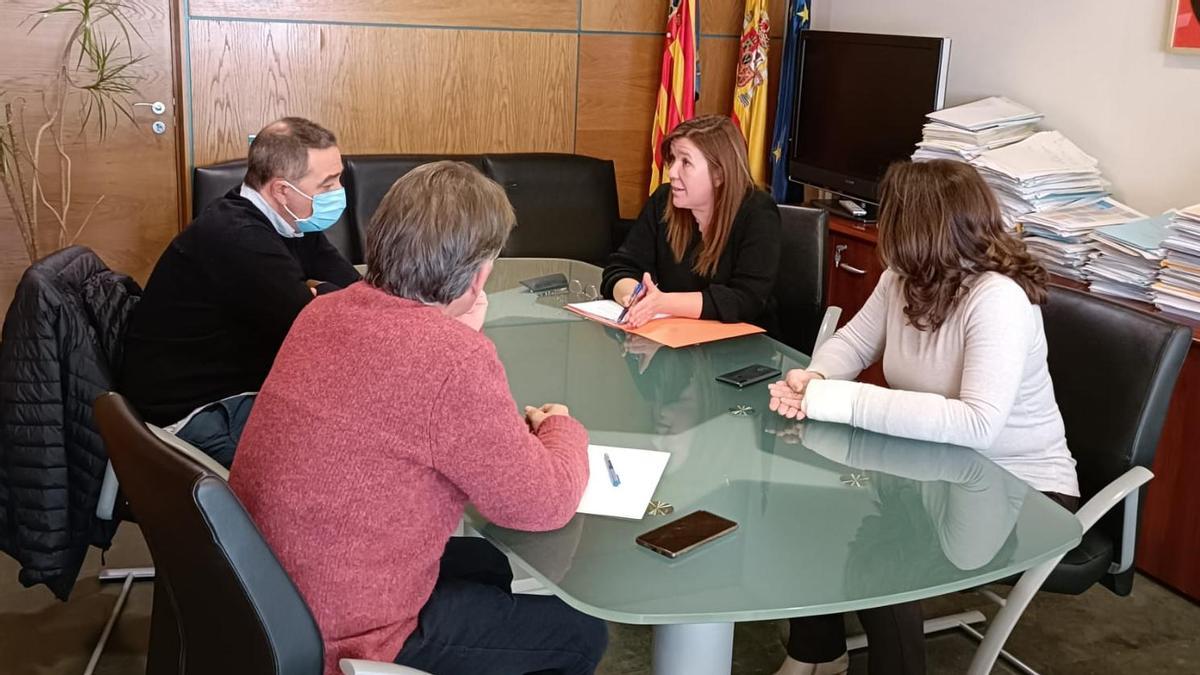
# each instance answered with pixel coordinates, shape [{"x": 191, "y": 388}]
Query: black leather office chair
[
  {"x": 566, "y": 205},
  {"x": 222, "y": 601},
  {"x": 212, "y": 182},
  {"x": 1114, "y": 370},
  {"x": 803, "y": 270},
  {"x": 374, "y": 175}
]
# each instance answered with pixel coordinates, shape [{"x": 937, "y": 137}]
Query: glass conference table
[{"x": 830, "y": 518}]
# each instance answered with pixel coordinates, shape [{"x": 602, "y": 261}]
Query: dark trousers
[
  {"x": 895, "y": 635},
  {"x": 215, "y": 430},
  {"x": 895, "y": 638},
  {"x": 473, "y": 623}
]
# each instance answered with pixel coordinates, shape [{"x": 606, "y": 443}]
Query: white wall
[{"x": 1098, "y": 69}]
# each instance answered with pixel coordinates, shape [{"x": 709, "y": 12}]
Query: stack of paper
[
  {"x": 964, "y": 132},
  {"x": 1178, "y": 287},
  {"x": 985, "y": 113},
  {"x": 1062, "y": 238},
  {"x": 1043, "y": 172},
  {"x": 1129, "y": 257}
]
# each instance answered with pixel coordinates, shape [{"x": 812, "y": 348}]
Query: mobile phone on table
[
  {"x": 545, "y": 284},
  {"x": 744, "y": 377},
  {"x": 684, "y": 534}
]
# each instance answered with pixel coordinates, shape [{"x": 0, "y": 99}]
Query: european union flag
[{"x": 798, "y": 20}]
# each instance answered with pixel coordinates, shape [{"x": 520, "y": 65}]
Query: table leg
[{"x": 693, "y": 649}]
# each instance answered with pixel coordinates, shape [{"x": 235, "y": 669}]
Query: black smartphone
[
  {"x": 684, "y": 534},
  {"x": 545, "y": 284},
  {"x": 744, "y": 377}
]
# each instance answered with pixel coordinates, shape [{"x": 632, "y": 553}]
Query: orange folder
[{"x": 678, "y": 332}]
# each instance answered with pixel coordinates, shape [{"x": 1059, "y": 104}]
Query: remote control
[{"x": 852, "y": 207}]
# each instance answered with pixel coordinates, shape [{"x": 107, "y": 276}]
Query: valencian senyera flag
[
  {"x": 750, "y": 89},
  {"x": 798, "y": 20},
  {"x": 678, "y": 88}
]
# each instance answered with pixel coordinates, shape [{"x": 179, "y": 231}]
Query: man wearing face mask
[{"x": 223, "y": 295}]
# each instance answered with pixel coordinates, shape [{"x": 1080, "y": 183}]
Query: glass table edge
[{"x": 741, "y": 616}]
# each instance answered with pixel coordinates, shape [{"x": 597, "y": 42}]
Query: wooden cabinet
[
  {"x": 1169, "y": 539},
  {"x": 854, "y": 269}
]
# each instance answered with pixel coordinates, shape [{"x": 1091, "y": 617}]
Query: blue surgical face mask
[{"x": 327, "y": 208}]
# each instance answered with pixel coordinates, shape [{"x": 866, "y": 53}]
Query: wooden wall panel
[
  {"x": 383, "y": 89},
  {"x": 717, "y": 17},
  {"x": 725, "y": 17},
  {"x": 618, "y": 87},
  {"x": 718, "y": 68},
  {"x": 543, "y": 14},
  {"x": 530, "y": 106},
  {"x": 639, "y": 16}
]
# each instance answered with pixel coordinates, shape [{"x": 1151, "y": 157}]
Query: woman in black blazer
[{"x": 706, "y": 245}]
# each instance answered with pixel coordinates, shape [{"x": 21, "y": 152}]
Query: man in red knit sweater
[{"x": 383, "y": 415}]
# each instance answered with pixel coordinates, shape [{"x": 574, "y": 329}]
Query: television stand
[{"x": 834, "y": 208}]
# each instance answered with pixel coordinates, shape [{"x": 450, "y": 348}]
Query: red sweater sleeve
[{"x": 482, "y": 444}]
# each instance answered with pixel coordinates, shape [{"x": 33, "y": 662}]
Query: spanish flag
[
  {"x": 677, "y": 88},
  {"x": 750, "y": 92}
]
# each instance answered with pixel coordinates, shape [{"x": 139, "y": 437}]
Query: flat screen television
[{"x": 861, "y": 100}]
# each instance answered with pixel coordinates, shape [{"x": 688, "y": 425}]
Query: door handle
[
  {"x": 158, "y": 107},
  {"x": 837, "y": 261}
]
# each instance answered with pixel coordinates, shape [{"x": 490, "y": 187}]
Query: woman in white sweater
[{"x": 955, "y": 319}]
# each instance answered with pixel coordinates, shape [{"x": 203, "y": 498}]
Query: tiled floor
[{"x": 1151, "y": 631}]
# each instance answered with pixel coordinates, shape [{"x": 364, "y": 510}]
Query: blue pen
[
  {"x": 612, "y": 473},
  {"x": 637, "y": 290}
]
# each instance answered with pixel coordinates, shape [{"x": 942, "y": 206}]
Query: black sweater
[
  {"x": 217, "y": 307},
  {"x": 741, "y": 288}
]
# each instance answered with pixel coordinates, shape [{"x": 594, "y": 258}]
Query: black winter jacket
[{"x": 59, "y": 348}]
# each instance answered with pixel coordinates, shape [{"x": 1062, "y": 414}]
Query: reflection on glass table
[{"x": 830, "y": 518}]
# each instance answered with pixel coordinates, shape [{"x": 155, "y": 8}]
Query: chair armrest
[
  {"x": 364, "y": 667},
  {"x": 1124, "y": 488},
  {"x": 1111, "y": 495},
  {"x": 107, "y": 501},
  {"x": 828, "y": 327},
  {"x": 1029, "y": 583}
]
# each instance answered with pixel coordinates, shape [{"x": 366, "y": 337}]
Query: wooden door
[{"x": 132, "y": 177}]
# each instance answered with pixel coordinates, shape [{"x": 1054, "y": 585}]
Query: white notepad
[
  {"x": 606, "y": 309},
  {"x": 639, "y": 471}
]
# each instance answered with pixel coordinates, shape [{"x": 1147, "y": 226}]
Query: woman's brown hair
[
  {"x": 725, "y": 151},
  {"x": 939, "y": 226}
]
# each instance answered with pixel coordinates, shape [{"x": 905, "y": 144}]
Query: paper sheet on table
[
  {"x": 639, "y": 471},
  {"x": 608, "y": 310},
  {"x": 671, "y": 331}
]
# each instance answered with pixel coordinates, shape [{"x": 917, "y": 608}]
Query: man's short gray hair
[
  {"x": 434, "y": 229},
  {"x": 280, "y": 150}
]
